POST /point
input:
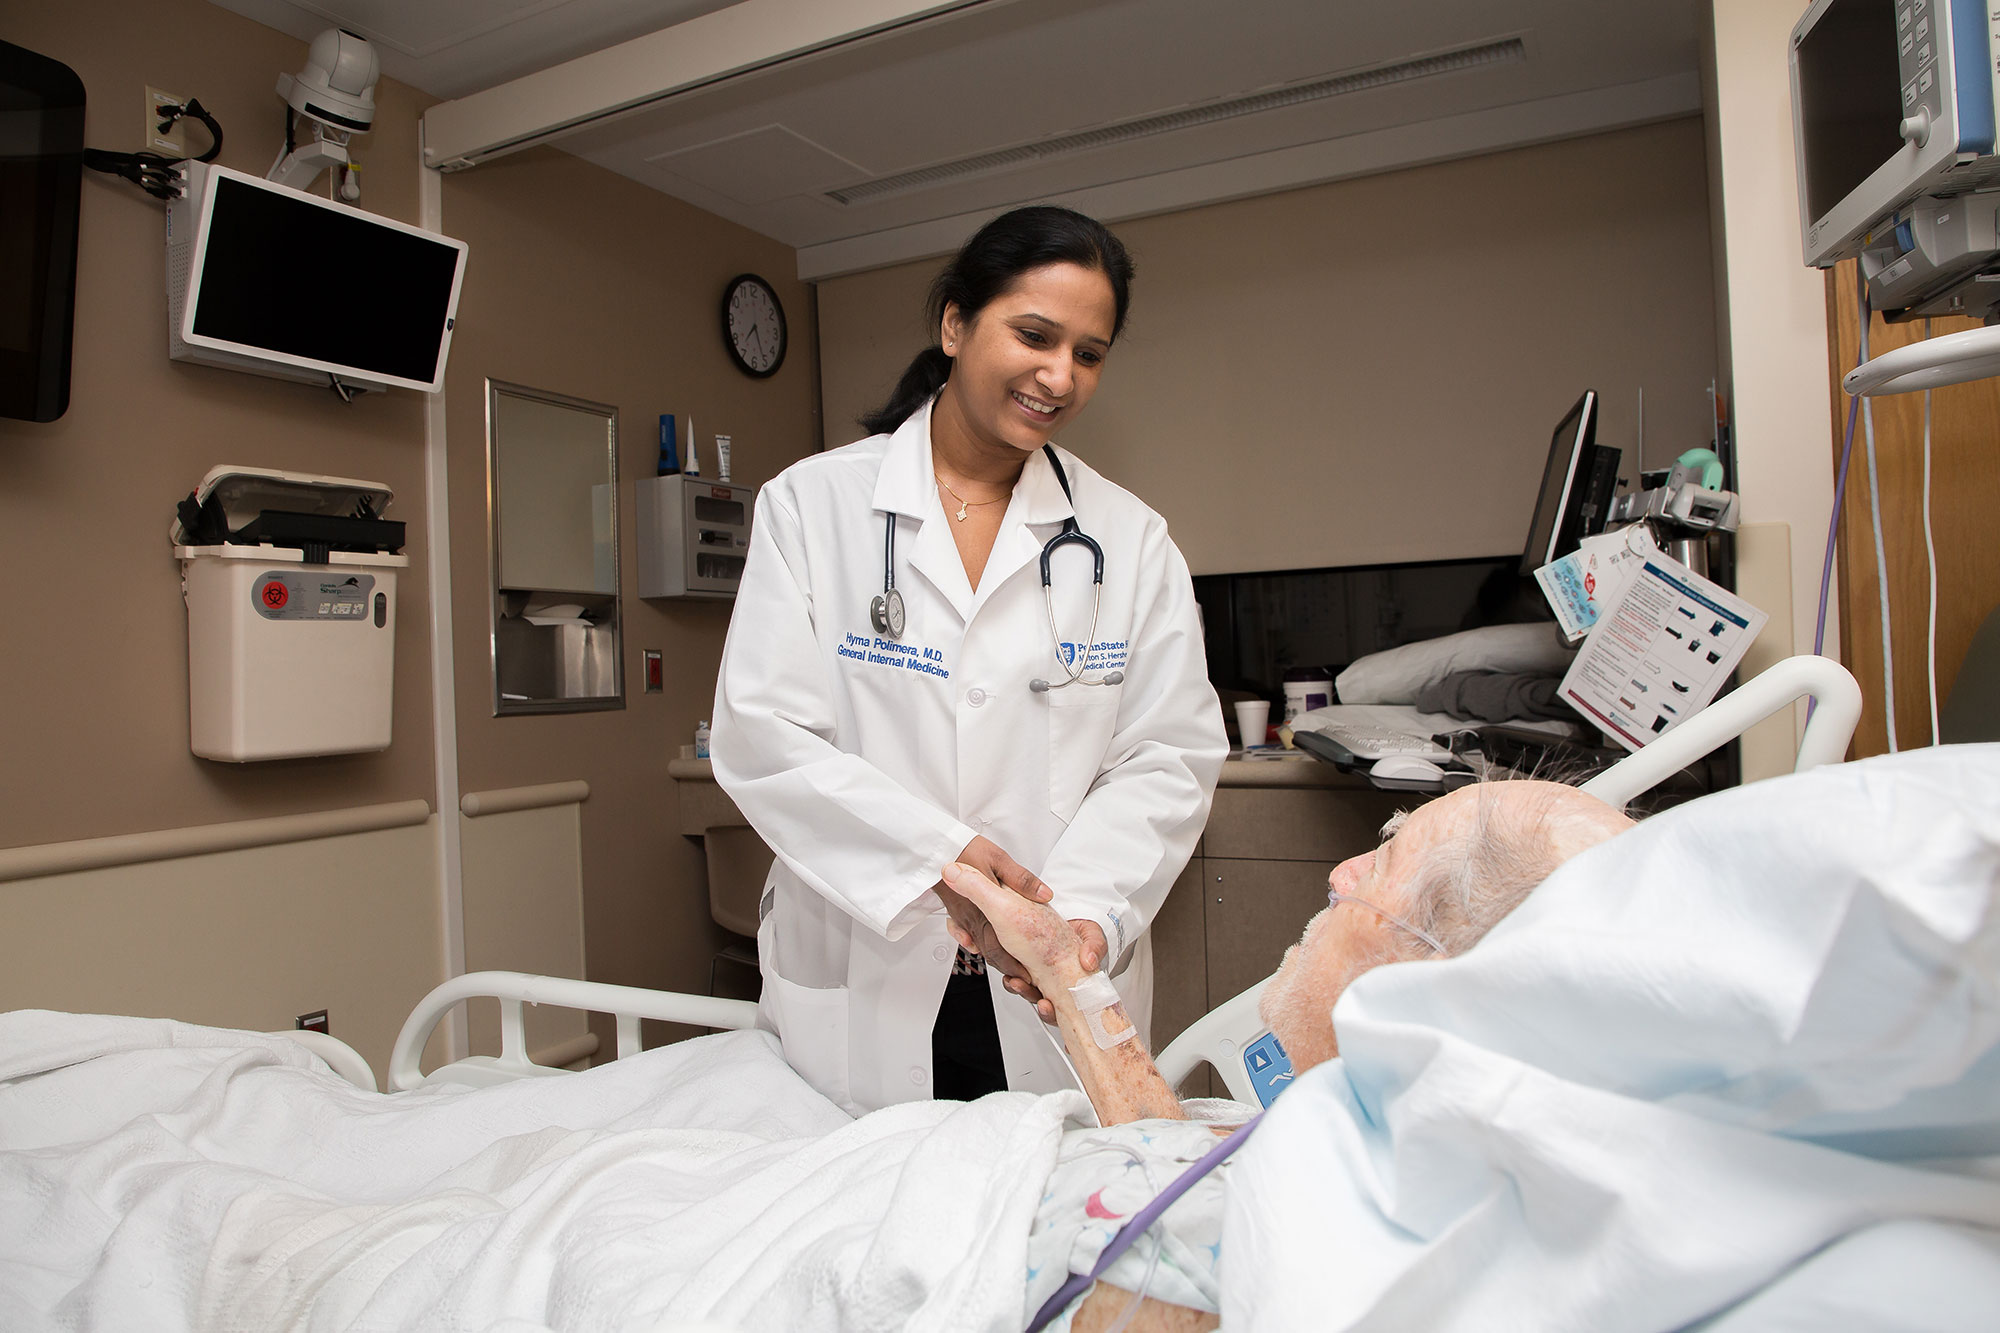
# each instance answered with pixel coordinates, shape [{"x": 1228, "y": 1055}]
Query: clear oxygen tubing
[
  {"x": 1881, "y": 554},
  {"x": 1132, "y": 1306},
  {"x": 1930, "y": 559}
]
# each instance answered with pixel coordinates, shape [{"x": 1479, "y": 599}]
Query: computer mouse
[{"x": 1406, "y": 768}]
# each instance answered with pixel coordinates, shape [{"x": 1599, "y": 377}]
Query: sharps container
[{"x": 290, "y": 584}]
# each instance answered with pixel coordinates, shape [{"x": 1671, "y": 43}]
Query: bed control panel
[{"x": 1270, "y": 1069}]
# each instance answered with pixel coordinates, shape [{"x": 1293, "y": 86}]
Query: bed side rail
[
  {"x": 1217, "y": 1039},
  {"x": 343, "y": 1059},
  {"x": 628, "y": 1004},
  {"x": 1837, "y": 707}
]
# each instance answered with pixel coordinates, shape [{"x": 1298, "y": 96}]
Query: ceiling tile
[
  {"x": 424, "y": 29},
  {"x": 759, "y": 165}
]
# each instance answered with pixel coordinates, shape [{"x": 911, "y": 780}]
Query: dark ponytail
[
  {"x": 1000, "y": 252},
  {"x": 920, "y": 383}
]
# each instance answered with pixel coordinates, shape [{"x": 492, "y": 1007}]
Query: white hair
[{"x": 1475, "y": 875}]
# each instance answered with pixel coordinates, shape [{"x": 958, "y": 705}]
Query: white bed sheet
[
  {"x": 1736, "y": 1069},
  {"x": 162, "y": 1176}
]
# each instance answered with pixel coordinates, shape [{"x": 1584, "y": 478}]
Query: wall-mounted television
[
  {"x": 41, "y": 175},
  {"x": 264, "y": 278}
]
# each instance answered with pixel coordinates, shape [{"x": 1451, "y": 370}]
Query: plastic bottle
[
  {"x": 701, "y": 739},
  {"x": 670, "y": 462}
]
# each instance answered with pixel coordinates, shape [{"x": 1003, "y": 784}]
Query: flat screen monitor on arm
[
  {"x": 1577, "y": 482},
  {"x": 275, "y": 281}
]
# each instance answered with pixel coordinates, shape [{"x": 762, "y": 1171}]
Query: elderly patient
[{"x": 1444, "y": 875}]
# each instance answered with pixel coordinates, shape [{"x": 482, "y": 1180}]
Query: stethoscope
[{"x": 887, "y": 614}]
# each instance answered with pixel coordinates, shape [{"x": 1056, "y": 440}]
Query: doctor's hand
[
  {"x": 988, "y": 859},
  {"x": 1047, "y": 952},
  {"x": 969, "y": 924}
]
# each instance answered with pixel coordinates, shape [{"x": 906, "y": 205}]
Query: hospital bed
[
  {"x": 521, "y": 1084},
  {"x": 1227, "y": 1038},
  {"x": 1222, "y": 1039}
]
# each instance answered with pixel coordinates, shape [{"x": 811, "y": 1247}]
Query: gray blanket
[{"x": 1496, "y": 696}]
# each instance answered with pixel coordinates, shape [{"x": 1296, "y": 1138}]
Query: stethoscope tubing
[{"x": 1071, "y": 534}]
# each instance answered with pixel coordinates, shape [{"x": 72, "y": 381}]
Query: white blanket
[
  {"x": 157, "y": 1176},
  {"x": 1736, "y": 1069}
]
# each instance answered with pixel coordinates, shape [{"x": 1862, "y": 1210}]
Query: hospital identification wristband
[{"x": 1094, "y": 995}]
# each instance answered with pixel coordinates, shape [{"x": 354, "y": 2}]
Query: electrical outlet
[{"x": 174, "y": 142}]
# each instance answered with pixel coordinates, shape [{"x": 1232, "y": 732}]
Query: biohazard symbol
[{"x": 275, "y": 595}]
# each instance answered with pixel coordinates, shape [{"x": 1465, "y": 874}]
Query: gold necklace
[{"x": 963, "y": 503}]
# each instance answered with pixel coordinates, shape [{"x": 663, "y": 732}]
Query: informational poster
[
  {"x": 1583, "y": 584},
  {"x": 1660, "y": 653}
]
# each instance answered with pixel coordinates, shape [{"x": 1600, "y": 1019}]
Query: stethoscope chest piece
[{"x": 886, "y": 613}]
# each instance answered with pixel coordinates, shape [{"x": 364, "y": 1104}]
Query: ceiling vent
[{"x": 1507, "y": 52}]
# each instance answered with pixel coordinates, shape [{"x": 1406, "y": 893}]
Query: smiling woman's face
[{"x": 1030, "y": 360}]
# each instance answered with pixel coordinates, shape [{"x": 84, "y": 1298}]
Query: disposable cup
[{"x": 1253, "y": 720}]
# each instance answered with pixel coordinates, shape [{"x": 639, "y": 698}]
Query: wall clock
[{"x": 753, "y": 325}]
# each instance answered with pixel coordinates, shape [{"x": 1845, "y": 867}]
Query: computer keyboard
[{"x": 1365, "y": 744}]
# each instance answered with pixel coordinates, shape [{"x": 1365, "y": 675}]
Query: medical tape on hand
[{"x": 1094, "y": 995}]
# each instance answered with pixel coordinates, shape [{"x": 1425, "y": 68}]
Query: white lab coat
[{"x": 868, "y": 764}]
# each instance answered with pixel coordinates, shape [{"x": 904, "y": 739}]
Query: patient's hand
[
  {"x": 968, "y": 921},
  {"x": 1120, "y": 1078},
  {"x": 1046, "y": 949}
]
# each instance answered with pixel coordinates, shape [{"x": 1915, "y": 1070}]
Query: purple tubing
[
  {"x": 1078, "y": 1283},
  {"x": 1839, "y": 502}
]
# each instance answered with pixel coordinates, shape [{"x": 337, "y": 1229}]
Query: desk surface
[{"x": 1235, "y": 773}]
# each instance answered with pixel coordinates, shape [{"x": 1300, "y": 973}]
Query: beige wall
[
  {"x": 1369, "y": 370},
  {"x": 1774, "y": 313},
  {"x": 577, "y": 281},
  {"x": 587, "y": 284},
  {"x": 249, "y": 938},
  {"x": 95, "y": 659},
  {"x": 524, "y": 912},
  {"x": 95, "y": 656}
]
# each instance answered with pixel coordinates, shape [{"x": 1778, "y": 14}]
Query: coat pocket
[
  {"x": 1082, "y": 720},
  {"x": 812, "y": 1025}
]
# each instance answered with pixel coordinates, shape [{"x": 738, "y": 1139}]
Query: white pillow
[{"x": 1395, "y": 676}]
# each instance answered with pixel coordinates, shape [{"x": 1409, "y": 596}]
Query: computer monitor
[{"x": 1577, "y": 484}]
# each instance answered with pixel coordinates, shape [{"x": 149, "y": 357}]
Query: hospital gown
[{"x": 1105, "y": 1175}]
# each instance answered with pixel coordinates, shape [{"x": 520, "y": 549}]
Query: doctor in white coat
[{"x": 894, "y": 697}]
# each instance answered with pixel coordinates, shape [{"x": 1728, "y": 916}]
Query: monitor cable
[
  {"x": 192, "y": 109},
  {"x": 155, "y": 173}
]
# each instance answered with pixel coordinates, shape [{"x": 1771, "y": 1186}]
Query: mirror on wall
[{"x": 552, "y": 516}]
